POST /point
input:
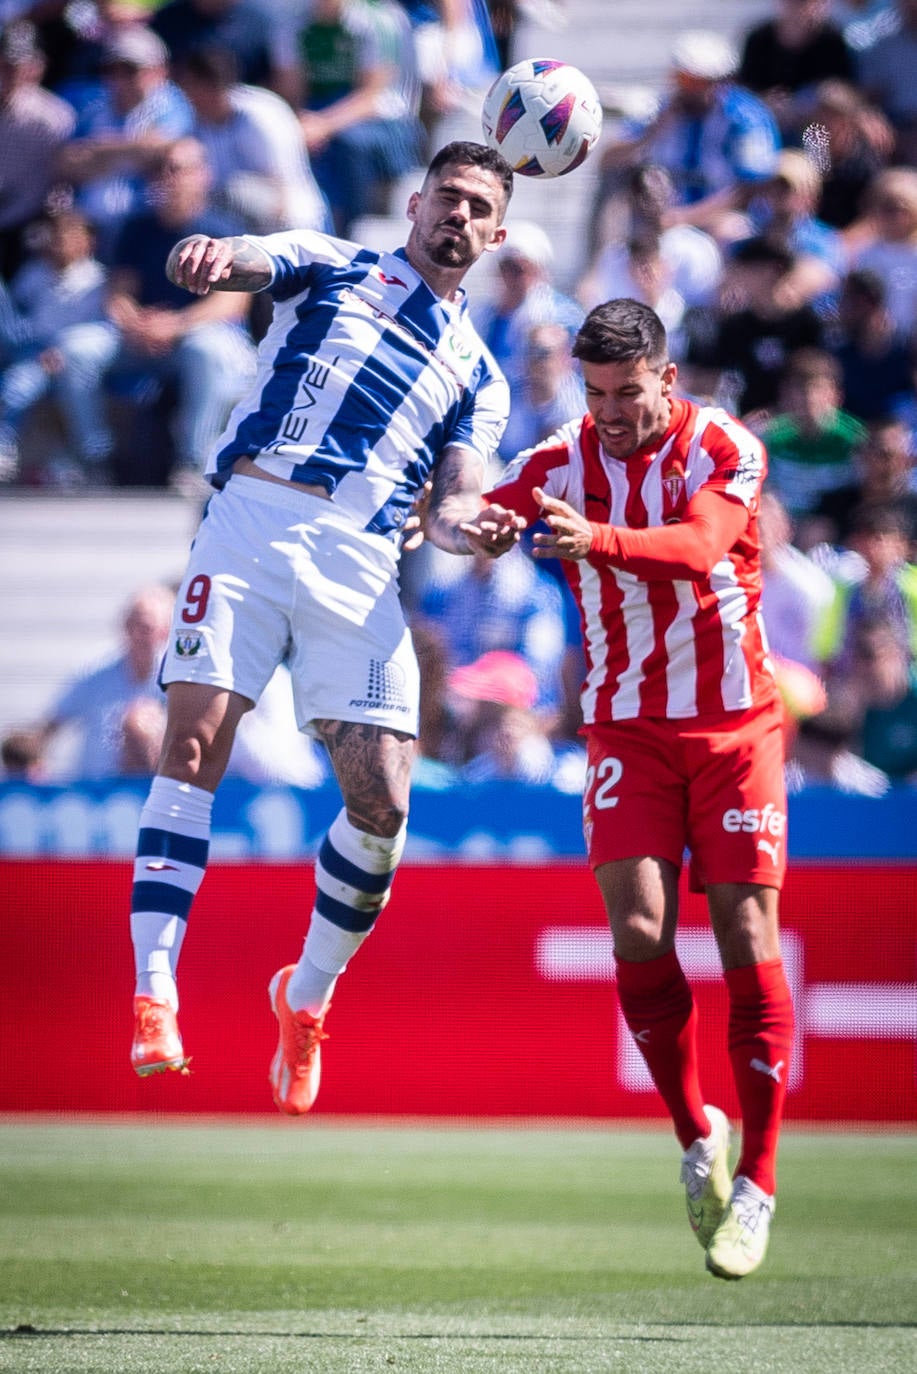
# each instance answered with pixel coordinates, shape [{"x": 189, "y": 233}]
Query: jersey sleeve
[
  {"x": 685, "y": 552},
  {"x": 294, "y": 253},
  {"x": 483, "y": 417},
  {"x": 545, "y": 466}
]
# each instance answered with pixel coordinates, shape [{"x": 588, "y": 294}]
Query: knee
[
  {"x": 638, "y": 937},
  {"x": 385, "y": 821},
  {"x": 190, "y": 758}
]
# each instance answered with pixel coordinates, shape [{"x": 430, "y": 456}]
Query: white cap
[
  {"x": 136, "y": 46},
  {"x": 704, "y": 54},
  {"x": 526, "y": 239}
]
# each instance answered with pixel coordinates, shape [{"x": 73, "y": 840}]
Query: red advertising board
[{"x": 484, "y": 991}]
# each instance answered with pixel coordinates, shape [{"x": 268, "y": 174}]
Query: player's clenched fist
[{"x": 199, "y": 262}]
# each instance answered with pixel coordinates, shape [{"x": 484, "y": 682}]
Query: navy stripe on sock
[
  {"x": 336, "y": 866},
  {"x": 340, "y": 914},
  {"x": 166, "y": 844},
  {"x": 165, "y": 897}
]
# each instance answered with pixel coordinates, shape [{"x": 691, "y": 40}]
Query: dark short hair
[
  {"x": 811, "y": 365},
  {"x": 462, "y": 153},
  {"x": 622, "y": 331},
  {"x": 751, "y": 252},
  {"x": 863, "y": 281},
  {"x": 879, "y": 518},
  {"x": 212, "y": 63}
]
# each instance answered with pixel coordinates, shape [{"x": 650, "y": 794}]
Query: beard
[{"x": 450, "y": 252}]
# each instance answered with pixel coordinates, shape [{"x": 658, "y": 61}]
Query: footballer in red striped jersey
[{"x": 651, "y": 503}]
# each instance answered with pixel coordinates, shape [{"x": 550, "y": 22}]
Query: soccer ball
[{"x": 543, "y": 116}]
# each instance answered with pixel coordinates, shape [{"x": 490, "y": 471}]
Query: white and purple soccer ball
[{"x": 543, "y": 116}]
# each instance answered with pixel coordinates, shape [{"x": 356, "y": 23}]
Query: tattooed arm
[
  {"x": 201, "y": 264},
  {"x": 457, "y": 518}
]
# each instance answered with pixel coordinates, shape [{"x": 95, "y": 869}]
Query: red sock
[
  {"x": 657, "y": 1005},
  {"x": 760, "y": 1040}
]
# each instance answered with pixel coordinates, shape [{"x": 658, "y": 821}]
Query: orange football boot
[
  {"x": 296, "y": 1068},
  {"x": 157, "y": 1044}
]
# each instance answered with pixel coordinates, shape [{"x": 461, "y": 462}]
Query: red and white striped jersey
[{"x": 669, "y": 596}]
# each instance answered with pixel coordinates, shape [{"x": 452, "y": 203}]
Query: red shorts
[{"x": 714, "y": 787}]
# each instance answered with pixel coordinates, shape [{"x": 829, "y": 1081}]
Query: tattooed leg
[{"x": 373, "y": 769}]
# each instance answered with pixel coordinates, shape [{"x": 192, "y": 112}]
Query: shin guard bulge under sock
[
  {"x": 172, "y": 848},
  {"x": 760, "y": 1044},
  {"x": 658, "y": 1006}
]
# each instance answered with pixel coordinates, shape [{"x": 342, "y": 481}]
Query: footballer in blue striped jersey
[{"x": 373, "y": 394}]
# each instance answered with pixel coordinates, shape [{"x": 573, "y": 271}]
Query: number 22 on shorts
[{"x": 598, "y": 793}]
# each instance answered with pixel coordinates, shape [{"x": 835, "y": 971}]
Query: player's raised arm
[
  {"x": 202, "y": 264},
  {"x": 458, "y": 520}
]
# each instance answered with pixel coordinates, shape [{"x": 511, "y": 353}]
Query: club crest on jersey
[
  {"x": 190, "y": 644},
  {"x": 459, "y": 345},
  {"x": 673, "y": 486}
]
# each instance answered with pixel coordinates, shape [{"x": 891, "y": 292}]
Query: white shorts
[{"x": 277, "y": 574}]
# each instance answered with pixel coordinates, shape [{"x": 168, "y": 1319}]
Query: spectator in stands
[
  {"x": 96, "y": 705},
  {"x": 674, "y": 269},
  {"x": 22, "y": 755},
  {"x": 716, "y": 139},
  {"x": 886, "y": 74},
  {"x": 121, "y": 135},
  {"x": 254, "y": 146},
  {"x": 505, "y": 16},
  {"x": 892, "y": 253},
  {"x": 62, "y": 286},
  {"x": 746, "y": 346},
  {"x": 811, "y": 441},
  {"x": 784, "y": 213},
  {"x": 887, "y": 592},
  {"x": 72, "y": 38},
  {"x": 904, "y": 407},
  {"x": 505, "y": 604},
  {"x": 824, "y": 754},
  {"x": 884, "y": 473},
  {"x": 34, "y": 125},
  {"x": 875, "y": 360},
  {"x": 783, "y": 58},
  {"x": 505, "y": 738},
  {"x": 885, "y": 681},
  {"x": 551, "y": 392},
  {"x": 243, "y": 26},
  {"x": 439, "y": 744},
  {"x": 157, "y": 332},
  {"x": 523, "y": 297},
  {"x": 352, "y": 76},
  {"x": 456, "y": 52},
  {"x": 796, "y": 593},
  {"x": 853, "y": 141}
]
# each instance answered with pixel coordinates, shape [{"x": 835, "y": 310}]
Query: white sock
[
  {"x": 326, "y": 953},
  {"x": 353, "y": 875},
  {"x": 172, "y": 848}
]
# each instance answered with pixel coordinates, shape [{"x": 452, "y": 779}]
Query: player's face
[
  {"x": 630, "y": 403},
  {"x": 456, "y": 217}
]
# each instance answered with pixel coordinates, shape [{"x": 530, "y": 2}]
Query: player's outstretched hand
[
  {"x": 493, "y": 531},
  {"x": 198, "y": 262},
  {"x": 570, "y": 533}
]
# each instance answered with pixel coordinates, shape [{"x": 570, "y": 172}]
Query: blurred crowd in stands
[{"x": 766, "y": 208}]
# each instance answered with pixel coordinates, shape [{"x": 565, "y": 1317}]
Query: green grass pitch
[{"x": 218, "y": 1246}]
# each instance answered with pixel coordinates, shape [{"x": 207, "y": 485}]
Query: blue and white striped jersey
[
  {"x": 364, "y": 377},
  {"x": 736, "y": 141}
]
